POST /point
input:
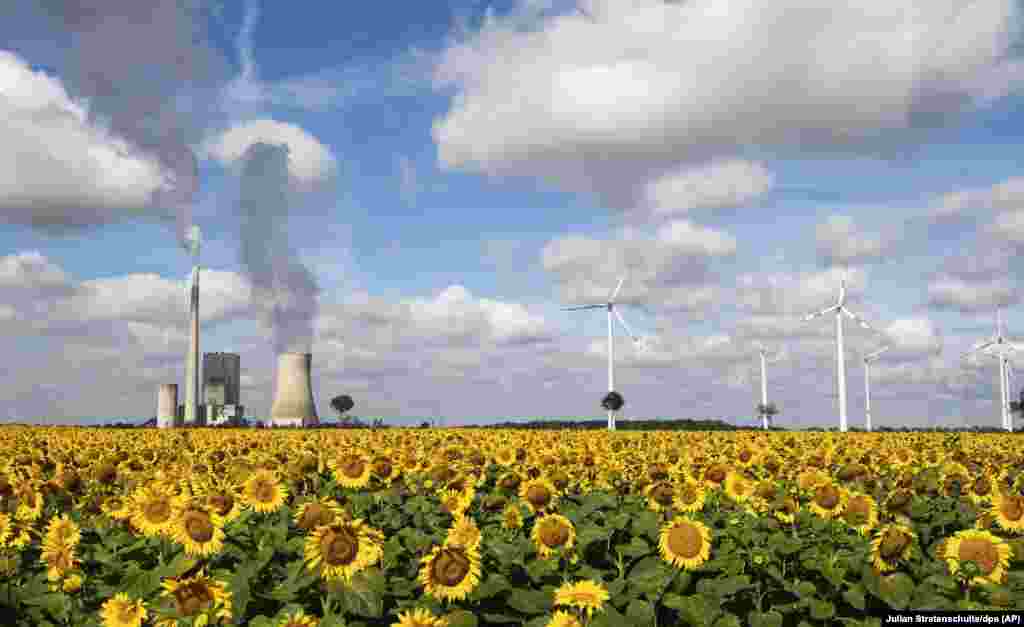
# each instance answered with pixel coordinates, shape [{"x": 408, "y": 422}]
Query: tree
[
  {"x": 1017, "y": 407},
  {"x": 769, "y": 410},
  {"x": 342, "y": 404}
]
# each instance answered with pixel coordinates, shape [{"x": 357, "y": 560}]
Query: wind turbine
[
  {"x": 867, "y": 384},
  {"x": 610, "y": 307},
  {"x": 1000, "y": 348},
  {"x": 840, "y": 309},
  {"x": 765, "y": 418}
]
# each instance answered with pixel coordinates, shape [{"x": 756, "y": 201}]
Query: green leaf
[
  {"x": 646, "y": 523},
  {"x": 461, "y": 618},
  {"x": 822, "y": 610},
  {"x": 610, "y": 617},
  {"x": 855, "y": 596},
  {"x": 362, "y": 598},
  {"x": 495, "y": 584},
  {"x": 731, "y": 585},
  {"x": 805, "y": 589},
  {"x": 729, "y": 620},
  {"x": 896, "y": 590},
  {"x": 635, "y": 548},
  {"x": 530, "y": 601},
  {"x": 641, "y": 612},
  {"x": 541, "y": 568},
  {"x": 765, "y": 619},
  {"x": 695, "y": 609},
  {"x": 588, "y": 534}
]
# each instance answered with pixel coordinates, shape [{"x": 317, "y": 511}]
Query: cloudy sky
[{"x": 414, "y": 200}]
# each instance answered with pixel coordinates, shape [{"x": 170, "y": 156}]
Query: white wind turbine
[
  {"x": 762, "y": 352},
  {"x": 867, "y": 384},
  {"x": 840, "y": 309},
  {"x": 610, "y": 307},
  {"x": 998, "y": 346}
]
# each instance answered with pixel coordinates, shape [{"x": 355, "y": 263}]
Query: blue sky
[{"x": 714, "y": 157}]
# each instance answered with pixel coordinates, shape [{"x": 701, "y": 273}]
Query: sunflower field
[{"x": 431, "y": 528}]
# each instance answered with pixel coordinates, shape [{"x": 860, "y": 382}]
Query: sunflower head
[
  {"x": 122, "y": 611},
  {"x": 861, "y": 513},
  {"x": 343, "y": 548},
  {"x": 989, "y": 553},
  {"x": 263, "y": 492},
  {"x": 1008, "y": 511},
  {"x": 199, "y": 529},
  {"x": 828, "y": 500},
  {"x": 660, "y": 495},
  {"x": 585, "y": 595},
  {"x": 464, "y": 532},
  {"x": 419, "y": 617},
  {"x": 892, "y": 543},
  {"x": 540, "y": 494},
  {"x": 553, "y": 533},
  {"x": 450, "y": 572},
  {"x": 298, "y": 618},
  {"x": 199, "y": 596},
  {"x": 685, "y": 543}
]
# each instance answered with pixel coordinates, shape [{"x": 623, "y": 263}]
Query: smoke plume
[
  {"x": 283, "y": 290},
  {"x": 142, "y": 67}
]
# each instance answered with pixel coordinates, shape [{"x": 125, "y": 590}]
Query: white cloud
[
  {"x": 949, "y": 292},
  {"x": 309, "y": 162},
  {"x": 1006, "y": 195},
  {"x": 58, "y": 167},
  {"x": 722, "y": 184},
  {"x": 616, "y": 95},
  {"x": 839, "y": 243},
  {"x": 670, "y": 267}
]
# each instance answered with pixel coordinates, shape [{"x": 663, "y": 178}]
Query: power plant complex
[{"x": 214, "y": 398}]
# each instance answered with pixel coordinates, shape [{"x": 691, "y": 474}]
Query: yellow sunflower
[
  {"x": 685, "y": 543},
  {"x": 553, "y": 533},
  {"x": 343, "y": 548},
  {"x": 298, "y": 618},
  {"x": 1008, "y": 510},
  {"x": 464, "y": 532},
  {"x": 352, "y": 471},
  {"x": 738, "y": 487},
  {"x": 456, "y": 502},
  {"x": 153, "y": 510},
  {"x": 563, "y": 619},
  {"x": 117, "y": 507},
  {"x": 263, "y": 492},
  {"x": 317, "y": 513},
  {"x": 585, "y": 595},
  {"x": 828, "y": 501},
  {"x": 419, "y": 617},
  {"x": 60, "y": 560},
  {"x": 990, "y": 553},
  {"x": 690, "y": 496},
  {"x": 539, "y": 493},
  {"x": 198, "y": 529},
  {"x": 450, "y": 572},
  {"x": 62, "y": 531},
  {"x": 660, "y": 496},
  {"x": 861, "y": 513},
  {"x": 199, "y": 599},
  {"x": 6, "y": 529},
  {"x": 512, "y": 517},
  {"x": 122, "y": 611},
  {"x": 891, "y": 544}
]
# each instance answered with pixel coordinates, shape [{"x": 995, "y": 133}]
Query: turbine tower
[
  {"x": 840, "y": 309},
  {"x": 765, "y": 418},
  {"x": 997, "y": 346},
  {"x": 610, "y": 307},
  {"x": 867, "y": 384},
  {"x": 192, "y": 401}
]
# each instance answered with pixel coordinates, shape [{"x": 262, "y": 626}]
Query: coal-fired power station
[{"x": 293, "y": 397}]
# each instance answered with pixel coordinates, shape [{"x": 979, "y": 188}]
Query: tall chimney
[
  {"x": 192, "y": 399},
  {"x": 293, "y": 398},
  {"x": 167, "y": 405}
]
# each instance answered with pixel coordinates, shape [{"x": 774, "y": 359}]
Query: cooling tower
[
  {"x": 293, "y": 399},
  {"x": 167, "y": 405}
]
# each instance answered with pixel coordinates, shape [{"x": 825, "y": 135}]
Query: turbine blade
[
  {"x": 857, "y": 319},
  {"x": 876, "y": 353},
  {"x": 615, "y": 292},
  {"x": 820, "y": 313},
  {"x": 979, "y": 347},
  {"x": 624, "y": 325},
  {"x": 582, "y": 307}
]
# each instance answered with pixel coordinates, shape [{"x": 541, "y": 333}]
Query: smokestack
[
  {"x": 167, "y": 405},
  {"x": 192, "y": 359},
  {"x": 293, "y": 397}
]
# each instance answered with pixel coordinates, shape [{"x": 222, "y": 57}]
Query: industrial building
[{"x": 222, "y": 380}]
